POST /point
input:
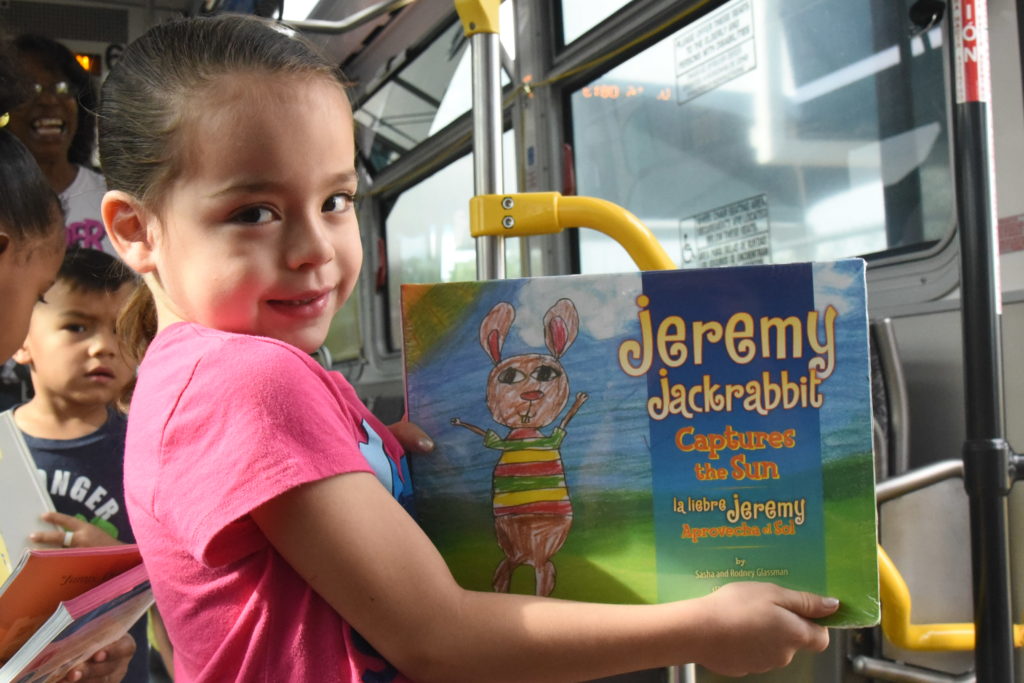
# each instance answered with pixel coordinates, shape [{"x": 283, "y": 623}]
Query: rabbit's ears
[
  {"x": 561, "y": 323},
  {"x": 494, "y": 329}
]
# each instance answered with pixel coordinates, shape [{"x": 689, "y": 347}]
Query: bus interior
[{"x": 830, "y": 126}]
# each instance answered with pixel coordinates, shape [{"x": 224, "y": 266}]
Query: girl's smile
[{"x": 310, "y": 305}]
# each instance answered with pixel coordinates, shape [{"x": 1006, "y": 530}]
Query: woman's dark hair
[
  {"x": 29, "y": 208},
  {"x": 157, "y": 86},
  {"x": 54, "y": 56}
]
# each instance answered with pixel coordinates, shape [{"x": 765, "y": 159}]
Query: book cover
[
  {"x": 25, "y": 499},
  {"x": 45, "y": 578},
  {"x": 648, "y": 437},
  {"x": 79, "y": 626}
]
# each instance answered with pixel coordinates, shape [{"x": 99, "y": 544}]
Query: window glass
[
  {"x": 427, "y": 231},
  {"x": 772, "y": 132},
  {"x": 424, "y": 97},
  {"x": 579, "y": 16},
  {"x": 344, "y": 341}
]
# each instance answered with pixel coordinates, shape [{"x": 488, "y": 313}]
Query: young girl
[{"x": 253, "y": 476}]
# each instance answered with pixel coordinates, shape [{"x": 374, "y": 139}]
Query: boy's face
[{"x": 71, "y": 346}]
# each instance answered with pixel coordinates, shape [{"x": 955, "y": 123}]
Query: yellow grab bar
[
  {"x": 478, "y": 16},
  {"x": 543, "y": 213},
  {"x": 931, "y": 637}
]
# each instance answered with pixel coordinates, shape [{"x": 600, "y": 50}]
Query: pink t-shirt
[{"x": 221, "y": 423}]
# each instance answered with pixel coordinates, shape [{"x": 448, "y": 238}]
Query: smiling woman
[{"x": 57, "y": 124}]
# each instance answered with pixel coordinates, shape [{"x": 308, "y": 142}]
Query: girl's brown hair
[{"x": 154, "y": 88}]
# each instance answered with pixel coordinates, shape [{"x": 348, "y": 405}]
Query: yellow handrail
[
  {"x": 544, "y": 213},
  {"x": 929, "y": 637}
]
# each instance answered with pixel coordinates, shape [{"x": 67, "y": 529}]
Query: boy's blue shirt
[{"x": 85, "y": 478}]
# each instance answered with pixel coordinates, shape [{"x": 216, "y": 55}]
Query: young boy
[{"x": 75, "y": 434}]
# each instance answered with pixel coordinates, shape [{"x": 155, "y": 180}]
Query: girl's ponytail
[{"x": 136, "y": 327}]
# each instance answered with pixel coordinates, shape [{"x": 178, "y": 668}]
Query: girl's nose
[
  {"x": 531, "y": 395},
  {"x": 310, "y": 244}
]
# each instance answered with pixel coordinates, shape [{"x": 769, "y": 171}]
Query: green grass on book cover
[{"x": 651, "y": 436}]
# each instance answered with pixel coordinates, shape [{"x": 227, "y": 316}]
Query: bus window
[
  {"x": 344, "y": 339},
  {"x": 769, "y": 132},
  {"x": 427, "y": 231},
  {"x": 579, "y": 16},
  {"x": 432, "y": 91}
]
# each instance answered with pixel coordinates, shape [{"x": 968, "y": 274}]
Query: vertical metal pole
[
  {"x": 985, "y": 452},
  {"x": 487, "y": 162}
]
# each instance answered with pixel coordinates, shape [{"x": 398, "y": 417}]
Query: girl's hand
[
  {"x": 83, "y": 534},
  {"x": 752, "y": 627},
  {"x": 412, "y": 438},
  {"x": 107, "y": 665}
]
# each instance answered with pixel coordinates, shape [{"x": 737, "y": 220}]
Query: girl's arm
[{"x": 359, "y": 549}]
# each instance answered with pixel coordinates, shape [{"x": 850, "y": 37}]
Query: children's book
[
  {"x": 45, "y": 586},
  {"x": 24, "y": 498},
  {"x": 651, "y": 436},
  {"x": 80, "y": 626}
]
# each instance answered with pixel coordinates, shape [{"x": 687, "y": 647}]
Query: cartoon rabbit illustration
[{"x": 532, "y": 508}]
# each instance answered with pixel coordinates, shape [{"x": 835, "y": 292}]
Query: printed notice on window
[
  {"x": 714, "y": 50},
  {"x": 736, "y": 234}
]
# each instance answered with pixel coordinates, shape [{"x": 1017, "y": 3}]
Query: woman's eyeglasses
[{"x": 61, "y": 89}]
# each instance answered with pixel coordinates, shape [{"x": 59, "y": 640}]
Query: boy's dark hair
[
  {"x": 56, "y": 57},
  {"x": 92, "y": 270}
]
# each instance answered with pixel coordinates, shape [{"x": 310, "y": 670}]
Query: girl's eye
[
  {"x": 254, "y": 215},
  {"x": 71, "y": 327},
  {"x": 338, "y": 203}
]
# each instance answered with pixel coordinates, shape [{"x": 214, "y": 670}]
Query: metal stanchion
[
  {"x": 986, "y": 455},
  {"x": 480, "y": 23}
]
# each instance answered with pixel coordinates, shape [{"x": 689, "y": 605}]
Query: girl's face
[
  {"x": 27, "y": 270},
  {"x": 258, "y": 235}
]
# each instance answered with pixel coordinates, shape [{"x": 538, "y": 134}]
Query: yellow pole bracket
[
  {"x": 478, "y": 16},
  {"x": 925, "y": 637},
  {"x": 545, "y": 213}
]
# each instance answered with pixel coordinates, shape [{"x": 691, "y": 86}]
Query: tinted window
[{"x": 772, "y": 132}]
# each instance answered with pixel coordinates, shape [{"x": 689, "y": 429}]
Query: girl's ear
[{"x": 130, "y": 227}]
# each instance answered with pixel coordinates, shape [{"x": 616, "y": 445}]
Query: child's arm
[{"x": 360, "y": 550}]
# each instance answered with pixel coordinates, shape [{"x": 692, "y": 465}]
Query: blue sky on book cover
[{"x": 657, "y": 513}]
